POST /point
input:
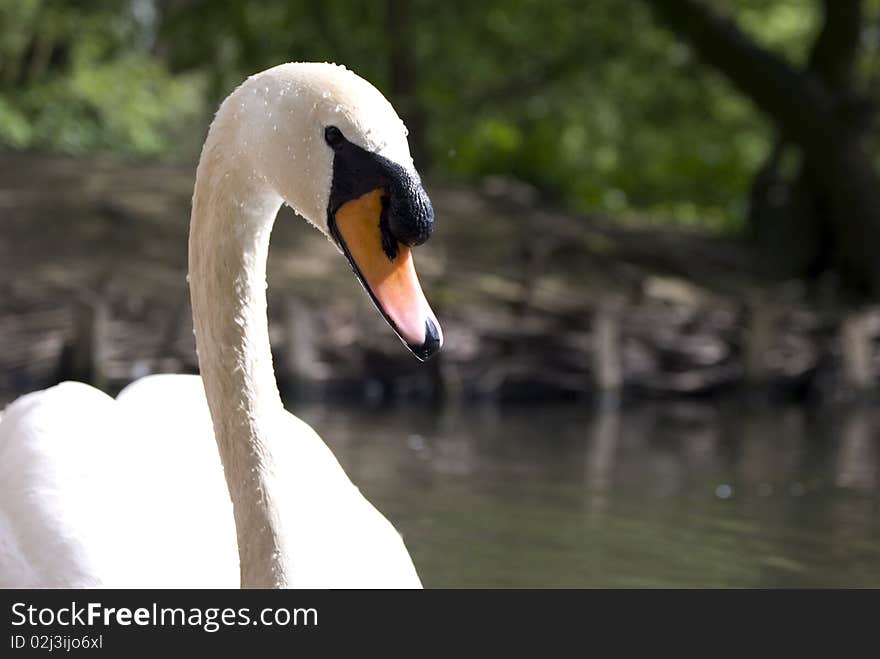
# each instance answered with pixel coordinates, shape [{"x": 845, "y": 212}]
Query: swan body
[
  {"x": 104, "y": 492},
  {"x": 207, "y": 481}
]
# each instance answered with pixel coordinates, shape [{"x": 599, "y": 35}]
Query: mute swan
[{"x": 131, "y": 492}]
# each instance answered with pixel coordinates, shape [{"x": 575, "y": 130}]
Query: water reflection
[
  {"x": 857, "y": 458},
  {"x": 601, "y": 453},
  {"x": 653, "y": 494}
]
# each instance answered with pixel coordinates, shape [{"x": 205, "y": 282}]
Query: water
[{"x": 665, "y": 494}]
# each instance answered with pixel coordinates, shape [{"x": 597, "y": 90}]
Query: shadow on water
[{"x": 662, "y": 494}]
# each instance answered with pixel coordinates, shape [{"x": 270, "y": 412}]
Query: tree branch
[
  {"x": 835, "y": 50},
  {"x": 541, "y": 75},
  {"x": 317, "y": 10},
  {"x": 799, "y": 103}
]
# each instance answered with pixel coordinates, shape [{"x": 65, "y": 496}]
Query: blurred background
[{"x": 654, "y": 262}]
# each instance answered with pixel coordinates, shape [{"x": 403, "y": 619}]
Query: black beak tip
[{"x": 431, "y": 346}]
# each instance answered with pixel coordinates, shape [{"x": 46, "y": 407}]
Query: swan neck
[{"x": 231, "y": 224}]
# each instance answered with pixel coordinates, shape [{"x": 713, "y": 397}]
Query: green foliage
[
  {"x": 617, "y": 118},
  {"x": 592, "y": 102},
  {"x": 77, "y": 77}
]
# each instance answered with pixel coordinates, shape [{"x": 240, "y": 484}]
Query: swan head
[{"x": 334, "y": 149}]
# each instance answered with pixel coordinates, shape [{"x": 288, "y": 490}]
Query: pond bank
[{"x": 92, "y": 286}]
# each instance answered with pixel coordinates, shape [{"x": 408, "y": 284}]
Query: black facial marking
[{"x": 407, "y": 215}]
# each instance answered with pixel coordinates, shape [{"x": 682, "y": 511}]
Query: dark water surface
[{"x": 660, "y": 494}]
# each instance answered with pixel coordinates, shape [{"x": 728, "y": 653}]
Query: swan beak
[{"x": 385, "y": 268}]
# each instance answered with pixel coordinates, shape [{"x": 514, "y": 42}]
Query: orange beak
[{"x": 391, "y": 281}]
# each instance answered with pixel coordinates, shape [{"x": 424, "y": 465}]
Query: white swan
[{"x": 131, "y": 492}]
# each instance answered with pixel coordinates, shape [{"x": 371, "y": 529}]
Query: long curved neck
[{"x": 232, "y": 219}]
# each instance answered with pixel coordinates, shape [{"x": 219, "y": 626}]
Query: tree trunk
[
  {"x": 855, "y": 345},
  {"x": 404, "y": 79},
  {"x": 762, "y": 321},
  {"x": 83, "y": 355},
  {"x": 828, "y": 217},
  {"x": 607, "y": 361}
]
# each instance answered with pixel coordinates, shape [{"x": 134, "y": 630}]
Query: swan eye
[{"x": 333, "y": 136}]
